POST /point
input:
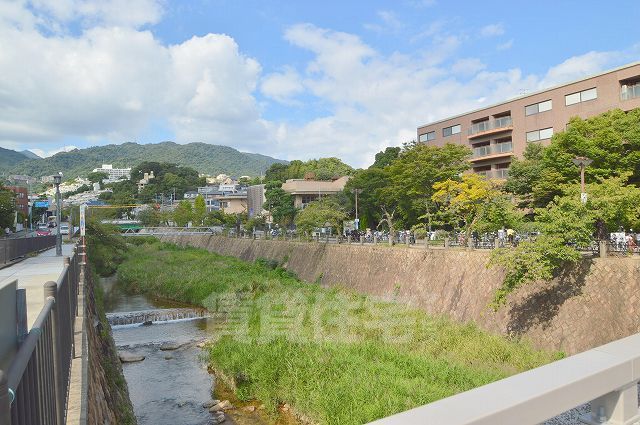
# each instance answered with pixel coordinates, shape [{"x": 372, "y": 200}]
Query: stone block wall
[
  {"x": 592, "y": 304},
  {"x": 108, "y": 396}
]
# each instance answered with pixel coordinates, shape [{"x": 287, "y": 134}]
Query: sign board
[
  {"x": 41, "y": 204},
  {"x": 83, "y": 209},
  {"x": 349, "y": 225}
]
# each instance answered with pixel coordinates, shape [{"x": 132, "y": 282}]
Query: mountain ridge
[{"x": 205, "y": 158}]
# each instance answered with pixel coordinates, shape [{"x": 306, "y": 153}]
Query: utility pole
[
  {"x": 57, "y": 179},
  {"x": 582, "y": 162},
  {"x": 357, "y": 192}
]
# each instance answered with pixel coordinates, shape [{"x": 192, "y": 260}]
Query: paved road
[{"x": 32, "y": 273}]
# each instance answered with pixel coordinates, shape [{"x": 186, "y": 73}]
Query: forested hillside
[
  {"x": 9, "y": 159},
  {"x": 205, "y": 158}
]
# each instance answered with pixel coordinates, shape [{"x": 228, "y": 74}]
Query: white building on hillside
[{"x": 114, "y": 174}]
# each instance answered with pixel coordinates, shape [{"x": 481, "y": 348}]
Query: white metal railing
[
  {"x": 479, "y": 127},
  {"x": 630, "y": 92},
  {"x": 607, "y": 376},
  {"x": 492, "y": 149}
]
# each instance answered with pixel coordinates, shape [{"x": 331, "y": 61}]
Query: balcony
[
  {"x": 498, "y": 150},
  {"x": 630, "y": 92},
  {"x": 489, "y": 127},
  {"x": 499, "y": 174}
]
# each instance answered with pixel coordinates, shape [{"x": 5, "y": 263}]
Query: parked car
[{"x": 64, "y": 229}]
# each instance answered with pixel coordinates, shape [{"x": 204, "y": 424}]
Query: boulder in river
[
  {"x": 209, "y": 404},
  {"x": 129, "y": 357},
  {"x": 223, "y": 405},
  {"x": 147, "y": 323},
  {"x": 171, "y": 345}
]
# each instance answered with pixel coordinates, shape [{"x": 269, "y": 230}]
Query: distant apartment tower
[
  {"x": 114, "y": 174},
  {"x": 499, "y": 132},
  {"x": 255, "y": 199}
]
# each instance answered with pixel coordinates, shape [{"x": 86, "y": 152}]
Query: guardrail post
[
  {"x": 446, "y": 242},
  {"x": 50, "y": 290},
  {"x": 5, "y": 401},
  {"x": 21, "y": 314},
  {"x": 602, "y": 245},
  {"x": 618, "y": 407}
]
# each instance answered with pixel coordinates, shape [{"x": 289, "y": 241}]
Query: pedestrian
[{"x": 510, "y": 235}]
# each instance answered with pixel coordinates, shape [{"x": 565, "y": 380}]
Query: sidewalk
[{"x": 32, "y": 273}]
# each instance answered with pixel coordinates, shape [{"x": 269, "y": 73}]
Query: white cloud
[
  {"x": 106, "y": 12},
  {"x": 506, "y": 45},
  {"x": 282, "y": 86},
  {"x": 580, "y": 66},
  {"x": 45, "y": 154},
  {"x": 111, "y": 82},
  {"x": 467, "y": 66},
  {"x": 389, "y": 23},
  {"x": 492, "y": 30}
]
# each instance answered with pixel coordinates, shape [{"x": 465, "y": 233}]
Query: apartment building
[
  {"x": 114, "y": 174},
  {"x": 499, "y": 132},
  {"x": 21, "y": 199},
  {"x": 309, "y": 190}
]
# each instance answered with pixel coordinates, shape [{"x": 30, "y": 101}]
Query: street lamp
[
  {"x": 57, "y": 179},
  {"x": 357, "y": 223},
  {"x": 582, "y": 162}
]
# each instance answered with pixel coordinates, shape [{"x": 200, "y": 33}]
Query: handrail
[
  {"x": 607, "y": 376},
  {"x": 18, "y": 366},
  {"x": 36, "y": 384}
]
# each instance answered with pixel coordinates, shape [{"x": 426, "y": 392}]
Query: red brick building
[{"x": 22, "y": 199}]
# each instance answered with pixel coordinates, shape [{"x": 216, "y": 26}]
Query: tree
[
  {"x": 524, "y": 174},
  {"x": 386, "y": 157},
  {"x": 7, "y": 208},
  {"x": 97, "y": 177},
  {"x": 279, "y": 203},
  {"x": 371, "y": 183},
  {"x": 413, "y": 174},
  {"x": 319, "y": 213},
  {"x": 183, "y": 213},
  {"x": 199, "y": 210},
  {"x": 566, "y": 223},
  {"x": 467, "y": 200}
]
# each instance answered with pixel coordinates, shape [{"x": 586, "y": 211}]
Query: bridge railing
[
  {"x": 12, "y": 248},
  {"x": 607, "y": 376},
  {"x": 34, "y": 389}
]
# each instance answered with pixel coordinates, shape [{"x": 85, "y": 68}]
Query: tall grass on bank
[{"x": 336, "y": 357}]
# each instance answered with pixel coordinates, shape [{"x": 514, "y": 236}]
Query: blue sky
[{"x": 292, "y": 79}]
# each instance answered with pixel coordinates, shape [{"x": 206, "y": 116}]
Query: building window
[
  {"x": 448, "y": 131},
  {"x": 534, "y": 136},
  {"x": 630, "y": 90},
  {"x": 427, "y": 137},
  {"x": 581, "y": 96},
  {"x": 536, "y": 108}
]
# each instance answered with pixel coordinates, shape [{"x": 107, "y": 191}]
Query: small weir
[{"x": 155, "y": 315}]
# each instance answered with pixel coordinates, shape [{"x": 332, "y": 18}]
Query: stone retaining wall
[
  {"x": 108, "y": 395},
  {"x": 594, "y": 303}
]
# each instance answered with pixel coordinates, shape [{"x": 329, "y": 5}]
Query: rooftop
[{"x": 532, "y": 94}]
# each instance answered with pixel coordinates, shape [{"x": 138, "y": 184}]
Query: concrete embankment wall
[
  {"x": 594, "y": 303},
  {"x": 108, "y": 395}
]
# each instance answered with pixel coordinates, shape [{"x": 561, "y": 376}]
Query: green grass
[{"x": 335, "y": 356}]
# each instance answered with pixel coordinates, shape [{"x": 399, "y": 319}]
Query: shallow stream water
[{"x": 167, "y": 387}]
